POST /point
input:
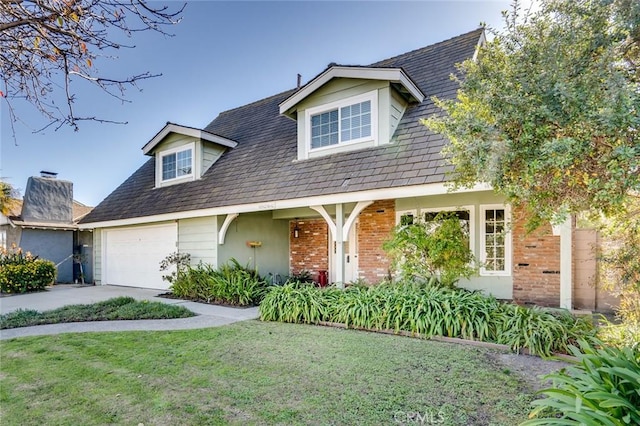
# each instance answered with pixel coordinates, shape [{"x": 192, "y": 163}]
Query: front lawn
[{"x": 256, "y": 373}]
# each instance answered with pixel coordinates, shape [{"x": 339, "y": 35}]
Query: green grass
[
  {"x": 118, "y": 308},
  {"x": 254, "y": 373}
]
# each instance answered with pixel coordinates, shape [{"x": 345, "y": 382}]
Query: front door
[{"x": 351, "y": 256}]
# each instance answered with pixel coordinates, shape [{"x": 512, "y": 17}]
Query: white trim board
[
  {"x": 348, "y": 197},
  {"x": 396, "y": 75}
]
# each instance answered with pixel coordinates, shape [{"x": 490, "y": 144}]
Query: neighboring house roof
[
  {"x": 263, "y": 166},
  {"x": 79, "y": 211}
]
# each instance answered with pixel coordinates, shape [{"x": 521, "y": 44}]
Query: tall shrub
[
  {"x": 437, "y": 251},
  {"x": 21, "y": 272}
]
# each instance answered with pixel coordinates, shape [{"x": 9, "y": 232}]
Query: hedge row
[{"x": 429, "y": 311}]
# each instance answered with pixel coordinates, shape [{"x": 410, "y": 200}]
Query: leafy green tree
[
  {"x": 7, "y": 194},
  {"x": 548, "y": 112}
]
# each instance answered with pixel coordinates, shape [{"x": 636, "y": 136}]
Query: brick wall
[
  {"x": 309, "y": 252},
  {"x": 375, "y": 225},
  {"x": 536, "y": 264}
]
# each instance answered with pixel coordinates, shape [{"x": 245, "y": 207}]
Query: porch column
[
  {"x": 339, "y": 237},
  {"x": 566, "y": 276}
]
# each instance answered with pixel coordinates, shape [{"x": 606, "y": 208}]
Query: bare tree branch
[{"x": 44, "y": 43}]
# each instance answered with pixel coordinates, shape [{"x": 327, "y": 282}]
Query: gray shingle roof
[{"x": 262, "y": 168}]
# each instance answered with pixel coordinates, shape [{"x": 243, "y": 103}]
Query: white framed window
[
  {"x": 495, "y": 240},
  {"x": 176, "y": 164},
  {"x": 349, "y": 120},
  {"x": 3, "y": 238}
]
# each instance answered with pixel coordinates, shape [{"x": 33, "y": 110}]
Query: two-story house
[{"x": 315, "y": 179}]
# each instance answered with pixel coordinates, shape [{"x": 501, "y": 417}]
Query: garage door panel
[{"x": 133, "y": 255}]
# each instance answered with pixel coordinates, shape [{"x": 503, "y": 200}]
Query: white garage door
[{"x": 132, "y": 255}]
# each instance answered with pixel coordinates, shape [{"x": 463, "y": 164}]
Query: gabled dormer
[
  {"x": 184, "y": 153},
  {"x": 348, "y": 107}
]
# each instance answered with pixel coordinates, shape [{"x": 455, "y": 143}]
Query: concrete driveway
[{"x": 62, "y": 295}]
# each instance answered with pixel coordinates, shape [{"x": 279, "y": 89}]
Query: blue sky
[{"x": 223, "y": 55}]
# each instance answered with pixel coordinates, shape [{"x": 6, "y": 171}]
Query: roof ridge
[{"x": 430, "y": 46}]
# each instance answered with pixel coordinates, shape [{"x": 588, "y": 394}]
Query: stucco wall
[
  {"x": 56, "y": 246},
  {"x": 271, "y": 257}
]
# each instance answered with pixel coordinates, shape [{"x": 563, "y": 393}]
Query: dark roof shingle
[{"x": 263, "y": 167}]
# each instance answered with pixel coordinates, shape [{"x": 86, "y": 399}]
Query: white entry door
[
  {"x": 351, "y": 256},
  {"x": 132, "y": 256}
]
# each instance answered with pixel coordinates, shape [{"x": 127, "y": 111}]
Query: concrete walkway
[{"x": 62, "y": 295}]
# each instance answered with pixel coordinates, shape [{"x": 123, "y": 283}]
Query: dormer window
[
  {"x": 350, "y": 120},
  {"x": 348, "y": 108},
  {"x": 177, "y": 164},
  {"x": 184, "y": 153}
]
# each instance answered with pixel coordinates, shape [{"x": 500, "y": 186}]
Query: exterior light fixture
[{"x": 296, "y": 230}]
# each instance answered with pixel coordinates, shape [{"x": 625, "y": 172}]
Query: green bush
[
  {"x": 299, "y": 302},
  {"x": 26, "y": 276},
  {"x": 428, "y": 311},
  {"x": 602, "y": 389},
  {"x": 231, "y": 284},
  {"x": 435, "y": 251},
  {"x": 541, "y": 331}
]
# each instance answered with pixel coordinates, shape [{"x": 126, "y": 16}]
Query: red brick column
[
  {"x": 536, "y": 264},
  {"x": 310, "y": 251},
  {"x": 375, "y": 225}
]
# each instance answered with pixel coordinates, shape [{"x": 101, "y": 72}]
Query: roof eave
[
  {"x": 187, "y": 131},
  {"x": 45, "y": 225},
  {"x": 394, "y": 75}
]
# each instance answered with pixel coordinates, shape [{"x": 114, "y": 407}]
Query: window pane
[
  {"x": 356, "y": 121},
  {"x": 184, "y": 163},
  {"x": 406, "y": 219},
  {"x": 324, "y": 129},
  {"x": 169, "y": 166}
]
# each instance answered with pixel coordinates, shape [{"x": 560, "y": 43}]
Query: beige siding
[
  {"x": 340, "y": 88},
  {"x": 173, "y": 141},
  {"x": 396, "y": 111},
  {"x": 97, "y": 255},
  {"x": 199, "y": 238},
  {"x": 210, "y": 154}
]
